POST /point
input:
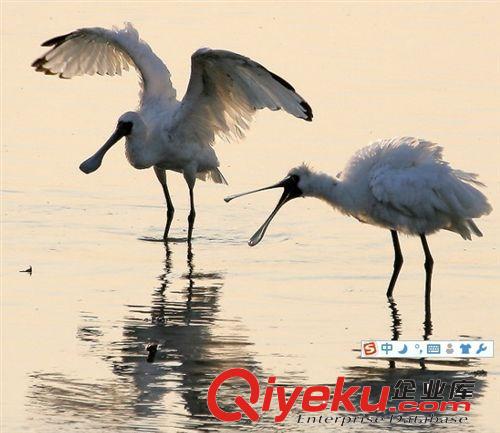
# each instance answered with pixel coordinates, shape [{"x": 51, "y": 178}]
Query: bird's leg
[
  {"x": 398, "y": 262},
  {"x": 160, "y": 174},
  {"x": 429, "y": 264},
  {"x": 192, "y": 213}
]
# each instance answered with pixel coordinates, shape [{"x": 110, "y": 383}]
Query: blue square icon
[{"x": 433, "y": 349}]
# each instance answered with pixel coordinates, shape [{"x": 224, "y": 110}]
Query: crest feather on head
[{"x": 301, "y": 170}]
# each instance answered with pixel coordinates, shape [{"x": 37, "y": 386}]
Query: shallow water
[{"x": 74, "y": 333}]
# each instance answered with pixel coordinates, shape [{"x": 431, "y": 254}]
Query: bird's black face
[
  {"x": 290, "y": 184},
  {"x": 123, "y": 128}
]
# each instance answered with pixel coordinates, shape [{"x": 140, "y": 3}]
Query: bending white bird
[
  {"x": 224, "y": 91},
  {"x": 400, "y": 184}
]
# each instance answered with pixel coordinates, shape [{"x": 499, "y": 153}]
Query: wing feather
[
  {"x": 417, "y": 182},
  {"x": 88, "y": 51},
  {"x": 224, "y": 91}
]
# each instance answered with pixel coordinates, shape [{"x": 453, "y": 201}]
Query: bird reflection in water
[
  {"x": 446, "y": 371},
  {"x": 188, "y": 355},
  {"x": 396, "y": 324},
  {"x": 193, "y": 345}
]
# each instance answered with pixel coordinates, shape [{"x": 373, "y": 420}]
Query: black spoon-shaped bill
[
  {"x": 94, "y": 162},
  {"x": 291, "y": 191}
]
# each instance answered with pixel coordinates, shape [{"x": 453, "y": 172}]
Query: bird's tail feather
[
  {"x": 465, "y": 228},
  {"x": 214, "y": 175},
  {"x": 475, "y": 229},
  {"x": 468, "y": 177}
]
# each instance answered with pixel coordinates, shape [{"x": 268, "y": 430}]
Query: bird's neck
[
  {"x": 139, "y": 153},
  {"x": 331, "y": 190}
]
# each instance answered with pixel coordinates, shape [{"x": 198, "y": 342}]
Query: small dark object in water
[
  {"x": 152, "y": 349},
  {"x": 28, "y": 271}
]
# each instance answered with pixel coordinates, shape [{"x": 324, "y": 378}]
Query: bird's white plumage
[
  {"x": 224, "y": 91},
  {"x": 95, "y": 50},
  {"x": 402, "y": 184}
]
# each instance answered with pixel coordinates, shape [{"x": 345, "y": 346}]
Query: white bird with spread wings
[{"x": 224, "y": 91}]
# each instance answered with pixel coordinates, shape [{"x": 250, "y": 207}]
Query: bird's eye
[{"x": 125, "y": 127}]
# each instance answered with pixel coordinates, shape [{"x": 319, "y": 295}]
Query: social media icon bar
[{"x": 427, "y": 349}]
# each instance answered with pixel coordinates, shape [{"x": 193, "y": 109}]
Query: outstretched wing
[
  {"x": 224, "y": 91},
  {"x": 107, "y": 52}
]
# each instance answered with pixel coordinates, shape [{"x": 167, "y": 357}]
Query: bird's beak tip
[
  {"x": 83, "y": 168},
  {"x": 89, "y": 166}
]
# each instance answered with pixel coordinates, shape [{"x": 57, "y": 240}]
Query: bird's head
[
  {"x": 129, "y": 124},
  {"x": 133, "y": 120},
  {"x": 306, "y": 179},
  {"x": 297, "y": 183}
]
